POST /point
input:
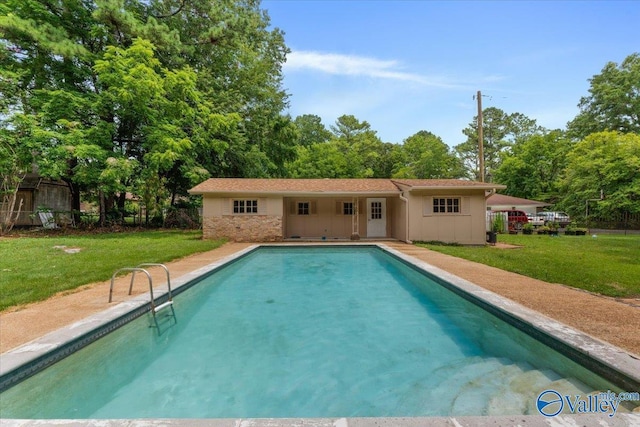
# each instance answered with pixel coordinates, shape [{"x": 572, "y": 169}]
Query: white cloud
[{"x": 351, "y": 65}]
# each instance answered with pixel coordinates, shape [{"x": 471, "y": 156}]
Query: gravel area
[{"x": 615, "y": 321}]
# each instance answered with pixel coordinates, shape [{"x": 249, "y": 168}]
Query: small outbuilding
[
  {"x": 39, "y": 195},
  {"x": 259, "y": 210},
  {"x": 497, "y": 202}
]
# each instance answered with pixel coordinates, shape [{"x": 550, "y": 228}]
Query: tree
[
  {"x": 533, "y": 167},
  {"x": 311, "y": 130},
  {"x": 17, "y": 141},
  {"x": 607, "y": 162},
  {"x": 500, "y": 131},
  {"x": 613, "y": 103},
  {"x": 145, "y": 96},
  {"x": 347, "y": 127},
  {"x": 322, "y": 160},
  {"x": 354, "y": 151},
  {"x": 425, "y": 156}
]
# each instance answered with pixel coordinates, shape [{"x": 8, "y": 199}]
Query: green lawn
[
  {"x": 32, "y": 269},
  {"x": 606, "y": 264}
]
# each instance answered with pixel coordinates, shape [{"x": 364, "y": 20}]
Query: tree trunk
[{"x": 103, "y": 213}]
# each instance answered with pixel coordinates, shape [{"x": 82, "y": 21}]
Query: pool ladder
[{"x": 154, "y": 308}]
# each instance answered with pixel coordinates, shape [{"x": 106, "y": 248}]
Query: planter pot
[
  {"x": 580, "y": 233},
  {"x": 527, "y": 231},
  {"x": 552, "y": 233},
  {"x": 570, "y": 232}
]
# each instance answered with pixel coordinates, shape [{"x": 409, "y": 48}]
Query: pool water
[{"x": 306, "y": 332}]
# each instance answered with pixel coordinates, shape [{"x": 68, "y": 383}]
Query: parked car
[
  {"x": 535, "y": 220},
  {"x": 516, "y": 219},
  {"x": 553, "y": 216}
]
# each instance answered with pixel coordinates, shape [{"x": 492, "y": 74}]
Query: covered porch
[{"x": 342, "y": 217}]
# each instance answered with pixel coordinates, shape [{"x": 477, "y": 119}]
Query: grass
[
  {"x": 606, "y": 264},
  {"x": 32, "y": 269}
]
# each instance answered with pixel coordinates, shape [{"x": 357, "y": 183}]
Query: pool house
[{"x": 266, "y": 210}]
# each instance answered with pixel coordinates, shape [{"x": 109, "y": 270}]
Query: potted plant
[
  {"x": 553, "y": 228},
  {"x": 580, "y": 231},
  {"x": 570, "y": 231},
  {"x": 542, "y": 230},
  {"x": 527, "y": 228}
]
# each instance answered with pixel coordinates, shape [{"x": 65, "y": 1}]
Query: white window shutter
[
  {"x": 427, "y": 206},
  {"x": 293, "y": 206},
  {"x": 226, "y": 206},
  {"x": 262, "y": 206},
  {"x": 313, "y": 207},
  {"x": 465, "y": 209}
]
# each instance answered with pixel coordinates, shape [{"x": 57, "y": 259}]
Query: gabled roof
[
  {"x": 294, "y": 186},
  {"x": 424, "y": 184},
  {"x": 330, "y": 186},
  {"x": 504, "y": 200}
]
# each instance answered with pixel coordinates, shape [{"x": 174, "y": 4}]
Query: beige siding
[
  {"x": 325, "y": 219},
  {"x": 466, "y": 227},
  {"x": 397, "y": 214}
]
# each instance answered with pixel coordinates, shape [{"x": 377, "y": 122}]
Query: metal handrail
[
  {"x": 152, "y": 264},
  {"x": 134, "y": 269}
]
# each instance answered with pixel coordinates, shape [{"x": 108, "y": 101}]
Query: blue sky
[{"x": 406, "y": 66}]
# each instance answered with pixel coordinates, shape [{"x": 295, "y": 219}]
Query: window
[
  {"x": 446, "y": 205},
  {"x": 376, "y": 210},
  {"x": 303, "y": 208},
  {"x": 245, "y": 206},
  {"x": 347, "y": 208}
]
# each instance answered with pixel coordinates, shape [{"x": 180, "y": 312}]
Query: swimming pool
[{"x": 307, "y": 332}]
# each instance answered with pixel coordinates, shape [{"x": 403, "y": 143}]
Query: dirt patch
[{"x": 499, "y": 245}]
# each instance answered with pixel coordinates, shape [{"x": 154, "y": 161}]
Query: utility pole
[{"x": 480, "y": 138}]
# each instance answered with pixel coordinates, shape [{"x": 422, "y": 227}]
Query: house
[
  {"x": 497, "y": 202},
  {"x": 445, "y": 210},
  {"x": 38, "y": 194}
]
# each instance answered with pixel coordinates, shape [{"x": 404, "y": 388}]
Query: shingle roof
[
  {"x": 237, "y": 185},
  {"x": 435, "y": 183},
  {"x": 504, "y": 200},
  {"x": 328, "y": 186}
]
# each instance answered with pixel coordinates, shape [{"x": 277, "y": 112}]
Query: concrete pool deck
[{"x": 621, "y": 318}]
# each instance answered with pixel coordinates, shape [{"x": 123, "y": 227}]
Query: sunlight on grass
[
  {"x": 33, "y": 269},
  {"x": 608, "y": 265}
]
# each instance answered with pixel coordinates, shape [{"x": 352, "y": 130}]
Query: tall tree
[
  {"x": 311, "y": 130},
  {"x": 500, "y": 131},
  {"x": 607, "y": 162},
  {"x": 161, "y": 90},
  {"x": 613, "y": 102},
  {"x": 425, "y": 156},
  {"x": 354, "y": 151},
  {"x": 533, "y": 167}
]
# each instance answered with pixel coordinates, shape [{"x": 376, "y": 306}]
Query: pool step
[{"x": 497, "y": 386}]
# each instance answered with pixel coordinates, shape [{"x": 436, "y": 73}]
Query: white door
[{"x": 376, "y": 217}]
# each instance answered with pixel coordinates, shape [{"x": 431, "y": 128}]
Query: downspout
[{"x": 406, "y": 211}]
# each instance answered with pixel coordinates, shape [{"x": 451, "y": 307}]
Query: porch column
[{"x": 355, "y": 220}]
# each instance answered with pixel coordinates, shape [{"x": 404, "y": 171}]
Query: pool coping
[{"x": 31, "y": 357}]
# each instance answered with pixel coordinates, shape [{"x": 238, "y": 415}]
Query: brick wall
[{"x": 243, "y": 228}]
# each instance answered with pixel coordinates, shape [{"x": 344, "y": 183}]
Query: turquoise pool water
[{"x": 306, "y": 332}]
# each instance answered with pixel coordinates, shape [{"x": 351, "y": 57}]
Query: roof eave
[
  {"x": 459, "y": 187},
  {"x": 297, "y": 193}
]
